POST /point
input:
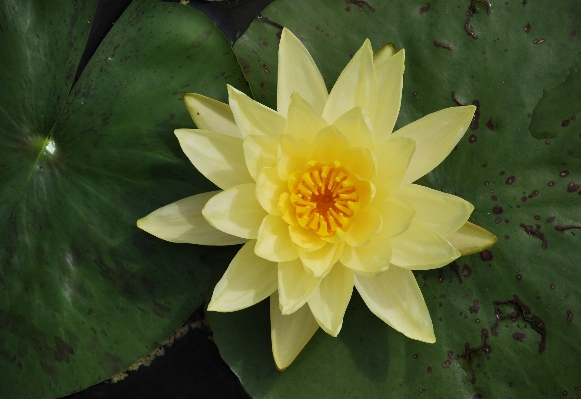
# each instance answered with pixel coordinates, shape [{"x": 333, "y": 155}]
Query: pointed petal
[
  {"x": 328, "y": 146},
  {"x": 248, "y": 280},
  {"x": 395, "y": 214},
  {"x": 259, "y": 152},
  {"x": 394, "y": 297},
  {"x": 295, "y": 285},
  {"x": 471, "y": 239},
  {"x": 297, "y": 72},
  {"x": 356, "y": 86},
  {"x": 356, "y": 127},
  {"x": 254, "y": 118},
  {"x": 436, "y": 135},
  {"x": 269, "y": 187},
  {"x": 306, "y": 239},
  {"x": 389, "y": 74},
  {"x": 291, "y": 155},
  {"x": 274, "y": 242},
  {"x": 370, "y": 260},
  {"x": 218, "y": 157},
  {"x": 443, "y": 213},
  {"x": 421, "y": 248},
  {"x": 210, "y": 114},
  {"x": 330, "y": 299},
  {"x": 182, "y": 222},
  {"x": 235, "y": 211},
  {"x": 393, "y": 157},
  {"x": 303, "y": 120},
  {"x": 384, "y": 53},
  {"x": 360, "y": 161},
  {"x": 366, "y": 191},
  {"x": 319, "y": 262},
  {"x": 289, "y": 334},
  {"x": 366, "y": 225},
  {"x": 287, "y": 209}
]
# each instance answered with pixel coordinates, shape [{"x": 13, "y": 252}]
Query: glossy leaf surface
[
  {"x": 522, "y": 188},
  {"x": 83, "y": 292}
]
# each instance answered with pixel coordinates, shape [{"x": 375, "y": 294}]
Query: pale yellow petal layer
[
  {"x": 356, "y": 127},
  {"x": 360, "y": 161},
  {"x": 384, "y": 53},
  {"x": 291, "y": 155},
  {"x": 366, "y": 225},
  {"x": 182, "y": 222},
  {"x": 389, "y": 74},
  {"x": 287, "y": 210},
  {"x": 328, "y": 146},
  {"x": 248, "y": 280},
  {"x": 421, "y": 248},
  {"x": 218, "y": 157},
  {"x": 471, "y": 239},
  {"x": 355, "y": 87},
  {"x": 394, "y": 297},
  {"x": 303, "y": 120},
  {"x": 297, "y": 72},
  {"x": 295, "y": 286},
  {"x": 370, "y": 260},
  {"x": 443, "y": 213},
  {"x": 210, "y": 114},
  {"x": 289, "y": 334},
  {"x": 393, "y": 157},
  {"x": 306, "y": 239},
  {"x": 436, "y": 135},
  {"x": 254, "y": 118},
  {"x": 235, "y": 211},
  {"x": 396, "y": 215},
  {"x": 329, "y": 300},
  {"x": 269, "y": 187},
  {"x": 274, "y": 242},
  {"x": 259, "y": 152},
  {"x": 318, "y": 263}
]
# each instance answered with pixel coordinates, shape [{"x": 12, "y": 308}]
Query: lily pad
[
  {"x": 84, "y": 293},
  {"x": 524, "y": 190}
]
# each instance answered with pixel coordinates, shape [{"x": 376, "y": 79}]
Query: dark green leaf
[{"x": 84, "y": 292}]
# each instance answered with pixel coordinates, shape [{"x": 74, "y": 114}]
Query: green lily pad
[
  {"x": 522, "y": 189},
  {"x": 84, "y": 293}
]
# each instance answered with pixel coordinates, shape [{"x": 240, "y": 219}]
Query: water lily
[{"x": 321, "y": 193}]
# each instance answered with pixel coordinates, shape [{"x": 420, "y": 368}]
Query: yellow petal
[
  {"x": 384, "y": 53},
  {"x": 303, "y": 120},
  {"x": 307, "y": 239},
  {"x": 209, "y": 114},
  {"x": 394, "y": 297},
  {"x": 259, "y": 152},
  {"x": 366, "y": 191},
  {"x": 291, "y": 155},
  {"x": 235, "y": 211},
  {"x": 366, "y": 225},
  {"x": 421, "y": 248},
  {"x": 471, "y": 239},
  {"x": 389, "y": 74},
  {"x": 327, "y": 146},
  {"x": 393, "y": 157},
  {"x": 319, "y": 262},
  {"x": 370, "y": 260},
  {"x": 329, "y": 300},
  {"x": 254, "y": 118},
  {"x": 274, "y": 242},
  {"x": 295, "y": 286},
  {"x": 443, "y": 213},
  {"x": 269, "y": 187},
  {"x": 248, "y": 280},
  {"x": 297, "y": 72},
  {"x": 360, "y": 161},
  {"x": 182, "y": 222},
  {"x": 355, "y": 87},
  {"x": 356, "y": 127},
  {"x": 395, "y": 214},
  {"x": 289, "y": 334},
  {"x": 436, "y": 135},
  {"x": 287, "y": 209},
  {"x": 218, "y": 157}
]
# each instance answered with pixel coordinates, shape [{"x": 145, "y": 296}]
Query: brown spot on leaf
[{"x": 63, "y": 350}]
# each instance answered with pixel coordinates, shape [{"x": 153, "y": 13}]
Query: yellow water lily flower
[{"x": 321, "y": 193}]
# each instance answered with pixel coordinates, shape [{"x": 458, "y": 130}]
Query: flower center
[{"x": 325, "y": 197}]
